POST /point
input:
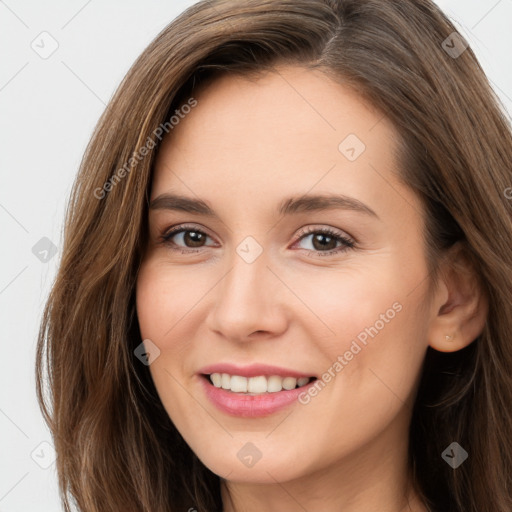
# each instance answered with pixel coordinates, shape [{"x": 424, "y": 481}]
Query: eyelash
[{"x": 347, "y": 243}]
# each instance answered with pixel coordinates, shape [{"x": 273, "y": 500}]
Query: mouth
[
  {"x": 260, "y": 391},
  {"x": 257, "y": 385}
]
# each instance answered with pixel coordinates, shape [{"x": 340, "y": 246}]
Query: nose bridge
[{"x": 247, "y": 298}]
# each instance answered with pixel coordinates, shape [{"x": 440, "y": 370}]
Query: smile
[
  {"x": 253, "y": 391},
  {"x": 256, "y": 385}
]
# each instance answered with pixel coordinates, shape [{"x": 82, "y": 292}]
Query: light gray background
[{"x": 48, "y": 110}]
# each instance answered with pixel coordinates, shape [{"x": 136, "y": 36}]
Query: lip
[
  {"x": 251, "y": 406},
  {"x": 253, "y": 370}
]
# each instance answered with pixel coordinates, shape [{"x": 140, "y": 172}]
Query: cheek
[
  {"x": 373, "y": 363},
  {"x": 163, "y": 300},
  {"x": 360, "y": 303},
  {"x": 165, "y": 297},
  {"x": 375, "y": 334}
]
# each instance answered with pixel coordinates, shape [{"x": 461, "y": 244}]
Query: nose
[{"x": 249, "y": 302}]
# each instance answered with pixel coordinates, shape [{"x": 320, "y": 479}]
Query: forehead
[
  {"x": 281, "y": 106},
  {"x": 283, "y": 133}
]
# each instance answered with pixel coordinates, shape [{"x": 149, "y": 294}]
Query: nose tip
[{"x": 248, "y": 305}]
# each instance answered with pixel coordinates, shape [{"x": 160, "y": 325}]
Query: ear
[{"x": 460, "y": 305}]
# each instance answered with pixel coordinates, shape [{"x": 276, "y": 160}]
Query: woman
[{"x": 286, "y": 275}]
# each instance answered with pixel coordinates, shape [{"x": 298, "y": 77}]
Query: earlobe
[
  {"x": 449, "y": 342},
  {"x": 460, "y": 309}
]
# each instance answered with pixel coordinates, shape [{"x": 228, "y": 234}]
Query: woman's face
[{"x": 297, "y": 255}]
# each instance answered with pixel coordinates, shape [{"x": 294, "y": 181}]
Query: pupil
[
  {"x": 190, "y": 235},
  {"x": 321, "y": 236}
]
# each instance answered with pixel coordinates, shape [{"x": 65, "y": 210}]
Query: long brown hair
[{"x": 116, "y": 447}]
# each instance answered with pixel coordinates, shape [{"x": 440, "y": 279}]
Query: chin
[{"x": 260, "y": 472}]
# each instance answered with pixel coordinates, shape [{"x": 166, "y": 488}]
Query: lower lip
[{"x": 251, "y": 406}]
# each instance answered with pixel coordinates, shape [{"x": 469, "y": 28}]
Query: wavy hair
[{"x": 116, "y": 447}]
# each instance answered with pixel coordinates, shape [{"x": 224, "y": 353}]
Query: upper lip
[{"x": 252, "y": 370}]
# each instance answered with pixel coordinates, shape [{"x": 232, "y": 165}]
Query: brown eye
[
  {"x": 187, "y": 238},
  {"x": 325, "y": 241},
  {"x": 322, "y": 241},
  {"x": 193, "y": 238}
]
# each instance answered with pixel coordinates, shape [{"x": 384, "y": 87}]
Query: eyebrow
[{"x": 290, "y": 206}]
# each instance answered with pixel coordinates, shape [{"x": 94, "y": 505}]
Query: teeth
[
  {"x": 225, "y": 381},
  {"x": 289, "y": 383},
  {"x": 256, "y": 385},
  {"x": 238, "y": 384},
  {"x": 216, "y": 379},
  {"x": 274, "y": 384},
  {"x": 302, "y": 381}
]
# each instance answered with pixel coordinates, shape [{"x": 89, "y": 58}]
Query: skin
[{"x": 245, "y": 147}]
